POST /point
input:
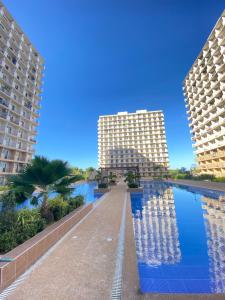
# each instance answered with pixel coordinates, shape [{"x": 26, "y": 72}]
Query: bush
[
  {"x": 29, "y": 223},
  {"x": 58, "y": 207},
  {"x": 184, "y": 176},
  {"x": 75, "y": 202},
  {"x": 8, "y": 221},
  {"x": 4, "y": 188},
  {"x": 219, "y": 179},
  {"x": 7, "y": 241},
  {"x": 17, "y": 227},
  {"x": 205, "y": 177},
  {"x": 102, "y": 185}
]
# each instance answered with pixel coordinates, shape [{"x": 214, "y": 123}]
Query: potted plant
[
  {"x": 112, "y": 178},
  {"x": 102, "y": 181},
  {"x": 133, "y": 180}
]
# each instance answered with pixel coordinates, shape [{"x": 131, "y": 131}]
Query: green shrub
[
  {"x": 29, "y": 223},
  {"x": 205, "y": 177},
  {"x": 58, "y": 207},
  {"x": 17, "y": 227},
  {"x": 219, "y": 179},
  {"x": 75, "y": 202},
  {"x": 7, "y": 241},
  {"x": 184, "y": 176},
  {"x": 4, "y": 188},
  {"x": 8, "y": 220},
  {"x": 31, "y": 217}
]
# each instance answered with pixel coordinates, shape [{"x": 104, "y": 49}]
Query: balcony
[
  {"x": 4, "y": 102},
  {"x": 7, "y": 157},
  {"x": 3, "y": 115},
  {"x": 5, "y": 89},
  {"x": 33, "y": 140}
]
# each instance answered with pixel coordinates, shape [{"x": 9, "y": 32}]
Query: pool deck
[
  {"x": 82, "y": 265},
  {"x": 217, "y": 186}
]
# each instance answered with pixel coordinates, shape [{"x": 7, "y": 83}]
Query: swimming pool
[
  {"x": 180, "y": 239},
  {"x": 85, "y": 189}
]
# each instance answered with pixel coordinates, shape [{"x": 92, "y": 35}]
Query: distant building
[
  {"x": 204, "y": 90},
  {"x": 133, "y": 140},
  {"x": 20, "y": 86}
]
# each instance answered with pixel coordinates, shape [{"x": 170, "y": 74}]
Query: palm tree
[
  {"x": 112, "y": 178},
  {"x": 100, "y": 178},
  {"x": 43, "y": 177}
]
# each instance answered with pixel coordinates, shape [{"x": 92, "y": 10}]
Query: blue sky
[{"x": 105, "y": 56}]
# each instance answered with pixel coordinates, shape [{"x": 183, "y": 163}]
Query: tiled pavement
[{"x": 83, "y": 265}]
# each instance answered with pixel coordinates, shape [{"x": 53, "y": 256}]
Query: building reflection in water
[
  {"x": 155, "y": 225},
  {"x": 214, "y": 215}
]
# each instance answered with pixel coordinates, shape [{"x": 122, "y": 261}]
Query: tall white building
[
  {"x": 21, "y": 68},
  {"x": 204, "y": 90},
  {"x": 133, "y": 140}
]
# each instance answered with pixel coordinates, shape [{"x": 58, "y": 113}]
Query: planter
[
  {"x": 135, "y": 190},
  {"x": 30, "y": 251}
]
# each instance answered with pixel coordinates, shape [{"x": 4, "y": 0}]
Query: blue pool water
[
  {"x": 84, "y": 189},
  {"x": 180, "y": 239}
]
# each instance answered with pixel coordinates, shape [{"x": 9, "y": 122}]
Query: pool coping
[
  {"x": 208, "y": 185},
  {"x": 131, "y": 284}
]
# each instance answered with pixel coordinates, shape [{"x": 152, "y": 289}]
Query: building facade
[
  {"x": 21, "y": 71},
  {"x": 133, "y": 140},
  {"x": 204, "y": 91}
]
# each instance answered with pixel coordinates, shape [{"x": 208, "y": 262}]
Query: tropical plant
[
  {"x": 101, "y": 179},
  {"x": 83, "y": 174},
  {"x": 112, "y": 178},
  {"x": 58, "y": 207},
  {"x": 75, "y": 202},
  {"x": 41, "y": 178},
  {"x": 132, "y": 179}
]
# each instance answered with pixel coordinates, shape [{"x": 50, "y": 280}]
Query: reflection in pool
[{"x": 180, "y": 239}]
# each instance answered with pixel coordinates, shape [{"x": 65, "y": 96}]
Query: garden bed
[{"x": 27, "y": 253}]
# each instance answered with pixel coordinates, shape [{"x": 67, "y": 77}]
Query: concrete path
[
  {"x": 218, "y": 186},
  {"x": 82, "y": 266}
]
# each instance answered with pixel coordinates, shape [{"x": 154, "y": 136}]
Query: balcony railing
[{"x": 4, "y": 102}]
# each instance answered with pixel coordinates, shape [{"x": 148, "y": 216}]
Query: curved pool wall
[
  {"x": 85, "y": 189},
  {"x": 180, "y": 238}
]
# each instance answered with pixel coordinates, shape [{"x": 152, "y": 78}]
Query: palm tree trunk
[
  {"x": 45, "y": 213},
  {"x": 45, "y": 202}
]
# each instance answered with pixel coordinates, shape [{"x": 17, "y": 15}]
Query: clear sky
[{"x": 106, "y": 56}]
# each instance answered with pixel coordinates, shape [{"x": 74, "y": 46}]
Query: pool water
[
  {"x": 180, "y": 238},
  {"x": 85, "y": 189}
]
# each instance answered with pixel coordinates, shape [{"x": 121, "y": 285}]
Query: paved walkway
[
  {"x": 82, "y": 266},
  {"x": 218, "y": 186}
]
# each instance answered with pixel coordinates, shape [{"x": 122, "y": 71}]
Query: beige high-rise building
[
  {"x": 21, "y": 69},
  {"x": 204, "y": 90},
  {"x": 133, "y": 140}
]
